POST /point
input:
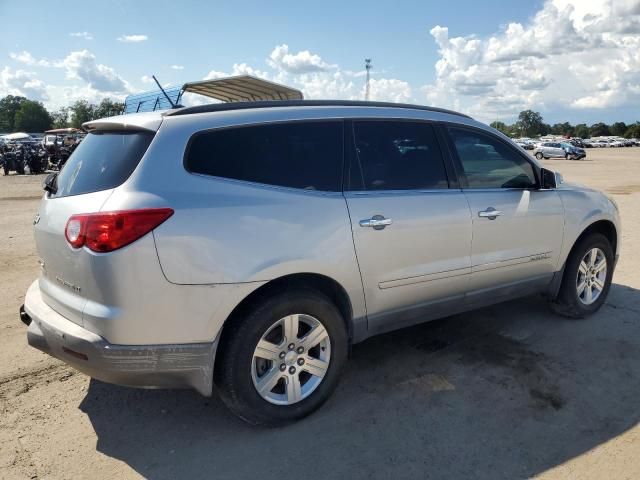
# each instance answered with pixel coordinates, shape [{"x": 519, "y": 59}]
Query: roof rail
[{"x": 222, "y": 107}]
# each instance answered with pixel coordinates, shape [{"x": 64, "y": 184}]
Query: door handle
[
  {"x": 377, "y": 222},
  {"x": 490, "y": 213}
]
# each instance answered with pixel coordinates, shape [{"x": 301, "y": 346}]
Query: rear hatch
[{"x": 102, "y": 162}]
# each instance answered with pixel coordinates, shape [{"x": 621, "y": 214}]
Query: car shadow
[{"x": 504, "y": 392}]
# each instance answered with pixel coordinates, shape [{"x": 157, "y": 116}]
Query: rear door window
[
  {"x": 304, "y": 155},
  {"x": 102, "y": 161},
  {"x": 395, "y": 155}
]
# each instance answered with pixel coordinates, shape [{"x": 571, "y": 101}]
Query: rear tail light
[{"x": 109, "y": 231}]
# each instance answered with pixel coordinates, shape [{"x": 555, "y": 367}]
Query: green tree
[
  {"x": 501, "y": 126},
  {"x": 530, "y": 123},
  {"x": 61, "y": 118},
  {"x": 618, "y": 129},
  {"x": 563, "y": 129},
  {"x": 581, "y": 130},
  {"x": 633, "y": 131},
  {"x": 599, "y": 130},
  {"x": 32, "y": 117},
  {"x": 81, "y": 111},
  {"x": 9, "y": 106},
  {"x": 108, "y": 108}
]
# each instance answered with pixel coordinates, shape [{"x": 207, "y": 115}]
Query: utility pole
[{"x": 367, "y": 67}]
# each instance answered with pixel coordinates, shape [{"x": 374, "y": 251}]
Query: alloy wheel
[
  {"x": 591, "y": 278},
  {"x": 291, "y": 359}
]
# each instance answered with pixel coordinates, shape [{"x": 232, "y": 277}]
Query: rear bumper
[{"x": 149, "y": 366}]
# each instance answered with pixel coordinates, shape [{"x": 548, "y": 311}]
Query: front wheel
[
  {"x": 283, "y": 359},
  {"x": 587, "y": 277},
  {"x": 539, "y": 156}
]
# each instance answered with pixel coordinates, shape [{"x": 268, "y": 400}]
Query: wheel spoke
[
  {"x": 598, "y": 283},
  {"x": 601, "y": 265},
  {"x": 290, "y": 327},
  {"x": 581, "y": 287},
  {"x": 593, "y": 257},
  {"x": 314, "y": 337},
  {"x": 315, "y": 366},
  {"x": 294, "y": 391},
  {"x": 266, "y": 383},
  {"x": 588, "y": 296},
  {"x": 267, "y": 350},
  {"x": 583, "y": 268}
]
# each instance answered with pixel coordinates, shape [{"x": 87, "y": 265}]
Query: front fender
[{"x": 583, "y": 208}]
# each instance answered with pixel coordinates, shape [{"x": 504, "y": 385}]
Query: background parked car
[{"x": 559, "y": 150}]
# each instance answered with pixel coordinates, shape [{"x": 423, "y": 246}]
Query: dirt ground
[{"x": 510, "y": 391}]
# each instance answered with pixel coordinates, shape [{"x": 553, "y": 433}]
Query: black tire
[
  {"x": 568, "y": 303},
  {"x": 567, "y": 156},
  {"x": 233, "y": 368},
  {"x": 539, "y": 156}
]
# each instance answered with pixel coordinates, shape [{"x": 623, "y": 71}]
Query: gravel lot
[{"x": 510, "y": 391}]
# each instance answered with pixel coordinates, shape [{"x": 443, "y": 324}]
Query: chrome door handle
[
  {"x": 377, "y": 222},
  {"x": 490, "y": 213}
]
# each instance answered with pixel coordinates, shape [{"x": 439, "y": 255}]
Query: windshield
[{"x": 102, "y": 161}]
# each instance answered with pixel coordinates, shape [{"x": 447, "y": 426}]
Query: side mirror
[{"x": 549, "y": 179}]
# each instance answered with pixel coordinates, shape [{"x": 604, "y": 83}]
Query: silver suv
[
  {"x": 248, "y": 245},
  {"x": 559, "y": 150}
]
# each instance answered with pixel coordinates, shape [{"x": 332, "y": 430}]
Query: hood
[{"x": 576, "y": 187}]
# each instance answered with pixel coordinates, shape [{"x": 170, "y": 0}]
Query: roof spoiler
[{"x": 240, "y": 88}]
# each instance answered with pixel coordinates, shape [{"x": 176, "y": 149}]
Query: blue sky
[{"x": 490, "y": 59}]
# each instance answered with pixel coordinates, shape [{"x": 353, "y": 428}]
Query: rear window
[
  {"x": 102, "y": 161},
  {"x": 305, "y": 155}
]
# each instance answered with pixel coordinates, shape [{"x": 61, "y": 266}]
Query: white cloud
[
  {"x": 580, "y": 54},
  {"x": 82, "y": 65},
  {"x": 215, "y": 74},
  {"x": 301, "y": 62},
  {"x": 84, "y": 35},
  {"x": 28, "y": 59},
  {"x": 390, "y": 90},
  {"x": 22, "y": 83},
  {"x": 176, "y": 67},
  {"x": 146, "y": 79},
  {"x": 132, "y": 38}
]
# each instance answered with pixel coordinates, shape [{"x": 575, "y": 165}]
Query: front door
[
  {"x": 517, "y": 227},
  {"x": 412, "y": 233}
]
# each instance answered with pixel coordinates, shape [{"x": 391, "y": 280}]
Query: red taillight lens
[{"x": 109, "y": 231}]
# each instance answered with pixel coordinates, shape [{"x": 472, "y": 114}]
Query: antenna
[
  {"x": 173, "y": 105},
  {"x": 367, "y": 67}
]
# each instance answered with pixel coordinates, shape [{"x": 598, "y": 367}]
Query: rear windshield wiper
[{"x": 50, "y": 183}]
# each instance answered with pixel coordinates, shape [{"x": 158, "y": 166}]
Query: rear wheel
[
  {"x": 539, "y": 156},
  {"x": 282, "y": 360},
  {"x": 587, "y": 277}
]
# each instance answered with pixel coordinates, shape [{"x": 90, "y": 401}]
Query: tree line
[
  {"x": 531, "y": 124},
  {"x": 19, "y": 114}
]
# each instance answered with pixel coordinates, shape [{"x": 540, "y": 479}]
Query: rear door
[
  {"x": 517, "y": 227},
  {"x": 412, "y": 232}
]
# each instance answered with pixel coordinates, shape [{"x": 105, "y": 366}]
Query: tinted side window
[
  {"x": 305, "y": 155},
  {"x": 396, "y": 155},
  {"x": 102, "y": 161},
  {"x": 489, "y": 163}
]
